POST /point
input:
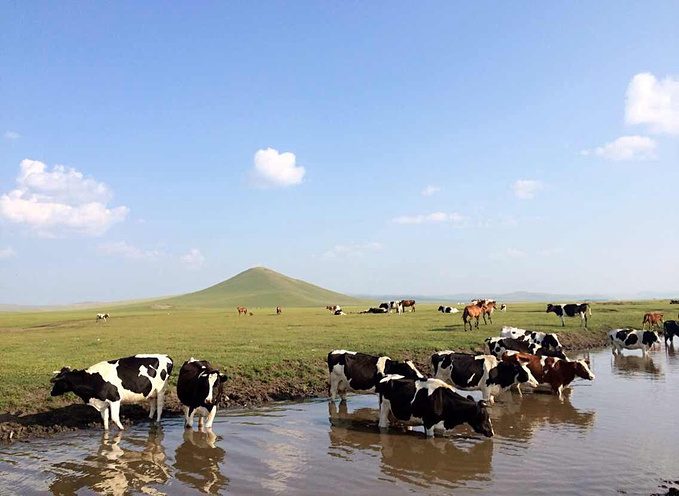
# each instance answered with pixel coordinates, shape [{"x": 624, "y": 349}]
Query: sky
[{"x": 368, "y": 147}]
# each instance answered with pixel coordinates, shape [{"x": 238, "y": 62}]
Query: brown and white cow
[
  {"x": 652, "y": 319},
  {"x": 408, "y": 304},
  {"x": 242, "y": 311},
  {"x": 279, "y": 310},
  {"x": 556, "y": 372}
]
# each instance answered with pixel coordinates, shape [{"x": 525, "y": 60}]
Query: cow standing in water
[{"x": 200, "y": 390}]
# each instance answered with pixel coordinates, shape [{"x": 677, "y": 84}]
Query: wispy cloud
[
  {"x": 507, "y": 254},
  {"x": 526, "y": 189},
  {"x": 194, "y": 259},
  {"x": 11, "y": 135},
  {"x": 653, "y": 102},
  {"x": 127, "y": 250},
  {"x": 274, "y": 169},
  {"x": 7, "y": 252},
  {"x": 626, "y": 148},
  {"x": 430, "y": 190},
  {"x": 454, "y": 218},
  {"x": 59, "y": 201},
  {"x": 353, "y": 250}
]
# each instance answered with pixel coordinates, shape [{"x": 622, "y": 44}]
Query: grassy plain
[{"x": 266, "y": 356}]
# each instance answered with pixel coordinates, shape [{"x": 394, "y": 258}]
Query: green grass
[{"x": 274, "y": 353}]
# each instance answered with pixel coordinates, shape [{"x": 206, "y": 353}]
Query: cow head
[
  {"x": 551, "y": 341},
  {"x": 480, "y": 421},
  {"x": 550, "y": 308},
  {"x": 524, "y": 375},
  {"x": 215, "y": 388},
  {"x": 649, "y": 338},
  {"x": 61, "y": 382},
  {"x": 582, "y": 370},
  {"x": 440, "y": 308}
]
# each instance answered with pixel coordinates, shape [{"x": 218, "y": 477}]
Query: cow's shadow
[{"x": 447, "y": 328}]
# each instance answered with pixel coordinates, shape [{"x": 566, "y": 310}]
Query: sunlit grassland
[{"x": 262, "y": 349}]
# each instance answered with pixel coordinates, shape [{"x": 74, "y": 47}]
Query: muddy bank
[{"x": 300, "y": 381}]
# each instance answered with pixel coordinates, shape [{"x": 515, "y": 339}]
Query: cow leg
[
  {"x": 429, "y": 432},
  {"x": 187, "y": 424},
  {"x": 160, "y": 402},
  {"x": 563, "y": 322},
  {"x": 211, "y": 417},
  {"x": 518, "y": 389},
  {"x": 104, "y": 417},
  {"x": 334, "y": 384},
  {"x": 343, "y": 390},
  {"x": 115, "y": 414},
  {"x": 385, "y": 407},
  {"x": 560, "y": 392},
  {"x": 200, "y": 422},
  {"x": 152, "y": 407}
]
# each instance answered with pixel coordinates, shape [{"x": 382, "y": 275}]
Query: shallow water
[{"x": 616, "y": 434}]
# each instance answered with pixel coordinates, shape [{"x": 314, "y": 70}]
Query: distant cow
[
  {"x": 102, "y": 316},
  {"x": 671, "y": 329},
  {"x": 443, "y": 309},
  {"x": 106, "y": 385},
  {"x": 479, "y": 373},
  {"x": 652, "y": 319},
  {"x": 556, "y": 372},
  {"x": 674, "y": 302},
  {"x": 548, "y": 340},
  {"x": 497, "y": 347},
  {"x": 503, "y": 307},
  {"x": 392, "y": 305},
  {"x": 571, "y": 310},
  {"x": 432, "y": 403},
  {"x": 242, "y": 311},
  {"x": 482, "y": 301},
  {"x": 333, "y": 308},
  {"x": 361, "y": 372},
  {"x": 408, "y": 304},
  {"x": 632, "y": 340},
  {"x": 338, "y": 312},
  {"x": 279, "y": 310},
  {"x": 375, "y": 310},
  {"x": 199, "y": 388},
  {"x": 473, "y": 312}
]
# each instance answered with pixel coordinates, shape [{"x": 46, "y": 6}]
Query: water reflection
[
  {"x": 114, "y": 469},
  {"x": 198, "y": 459},
  {"x": 631, "y": 365}
]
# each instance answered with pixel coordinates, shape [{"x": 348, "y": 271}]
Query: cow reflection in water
[
  {"x": 631, "y": 365},
  {"x": 197, "y": 462},
  {"x": 137, "y": 467},
  {"x": 447, "y": 461}
]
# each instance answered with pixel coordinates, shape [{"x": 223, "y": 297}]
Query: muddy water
[{"x": 617, "y": 434}]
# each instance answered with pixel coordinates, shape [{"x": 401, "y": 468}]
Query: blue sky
[{"x": 366, "y": 147}]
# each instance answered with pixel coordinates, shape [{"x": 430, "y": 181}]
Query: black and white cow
[
  {"x": 200, "y": 390},
  {"x": 361, "y": 372},
  {"x": 102, "y": 316},
  {"x": 430, "y": 402},
  {"x": 375, "y": 310},
  {"x": 670, "y": 329},
  {"x": 393, "y": 305},
  {"x": 443, "y": 309},
  {"x": 339, "y": 312},
  {"x": 547, "y": 340},
  {"x": 106, "y": 385},
  {"x": 631, "y": 339},
  {"x": 498, "y": 345},
  {"x": 479, "y": 373},
  {"x": 571, "y": 310}
]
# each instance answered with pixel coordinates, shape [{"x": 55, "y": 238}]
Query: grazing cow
[
  {"x": 497, "y": 347},
  {"x": 571, "y": 310},
  {"x": 360, "y": 372},
  {"x": 408, "y": 304},
  {"x": 443, "y": 309},
  {"x": 674, "y": 302},
  {"x": 556, "y": 372},
  {"x": 333, "y": 308},
  {"x": 652, "y": 319},
  {"x": 338, "y": 312},
  {"x": 473, "y": 312},
  {"x": 546, "y": 340},
  {"x": 279, "y": 310},
  {"x": 375, "y": 310},
  {"x": 102, "y": 316},
  {"x": 479, "y": 373},
  {"x": 200, "y": 390},
  {"x": 482, "y": 301},
  {"x": 671, "y": 329},
  {"x": 488, "y": 309},
  {"x": 106, "y": 385},
  {"x": 632, "y": 340},
  {"x": 242, "y": 310},
  {"x": 503, "y": 307},
  {"x": 430, "y": 402},
  {"x": 392, "y": 305}
]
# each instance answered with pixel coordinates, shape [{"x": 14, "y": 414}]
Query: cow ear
[
  {"x": 223, "y": 377},
  {"x": 482, "y": 404}
]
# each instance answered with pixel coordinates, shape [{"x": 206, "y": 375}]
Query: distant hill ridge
[{"x": 262, "y": 287}]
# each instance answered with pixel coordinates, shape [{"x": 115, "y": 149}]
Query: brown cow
[
  {"x": 279, "y": 310},
  {"x": 333, "y": 308},
  {"x": 242, "y": 310},
  {"x": 652, "y": 319},
  {"x": 473, "y": 312},
  {"x": 556, "y": 372},
  {"x": 408, "y": 303}
]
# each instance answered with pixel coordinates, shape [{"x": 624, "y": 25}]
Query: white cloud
[
  {"x": 12, "y": 135},
  {"x": 346, "y": 251},
  {"x": 509, "y": 253},
  {"x": 433, "y": 218},
  {"x": 430, "y": 190},
  {"x": 653, "y": 102},
  {"x": 627, "y": 148},
  {"x": 59, "y": 200},
  {"x": 551, "y": 252},
  {"x": 8, "y": 252},
  {"x": 129, "y": 251},
  {"x": 273, "y": 169},
  {"x": 194, "y": 259},
  {"x": 526, "y": 188}
]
